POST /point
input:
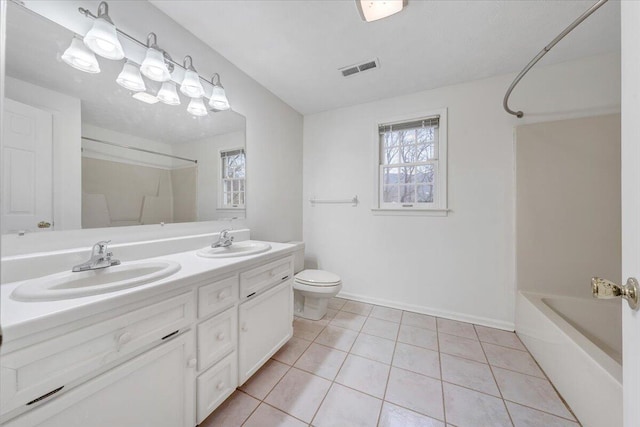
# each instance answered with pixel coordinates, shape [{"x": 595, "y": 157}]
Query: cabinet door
[
  {"x": 266, "y": 324},
  {"x": 155, "y": 389}
]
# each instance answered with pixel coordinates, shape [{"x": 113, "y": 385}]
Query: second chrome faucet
[{"x": 100, "y": 258}]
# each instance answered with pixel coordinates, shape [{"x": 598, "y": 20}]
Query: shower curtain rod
[
  {"x": 543, "y": 52},
  {"x": 138, "y": 149}
]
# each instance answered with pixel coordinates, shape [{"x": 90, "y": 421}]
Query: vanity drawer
[
  {"x": 265, "y": 276},
  {"x": 217, "y": 337},
  {"x": 215, "y": 385},
  {"x": 34, "y": 371},
  {"x": 217, "y": 296}
]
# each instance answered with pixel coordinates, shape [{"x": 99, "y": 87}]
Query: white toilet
[{"x": 312, "y": 289}]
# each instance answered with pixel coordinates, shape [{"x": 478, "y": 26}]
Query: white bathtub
[{"x": 578, "y": 344}]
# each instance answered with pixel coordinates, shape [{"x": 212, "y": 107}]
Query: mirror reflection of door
[{"x": 27, "y": 168}]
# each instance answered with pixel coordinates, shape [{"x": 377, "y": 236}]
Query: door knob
[
  {"x": 44, "y": 224},
  {"x": 606, "y": 289}
]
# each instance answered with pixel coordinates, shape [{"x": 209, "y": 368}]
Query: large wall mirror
[{"x": 126, "y": 161}]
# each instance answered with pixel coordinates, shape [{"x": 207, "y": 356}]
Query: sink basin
[
  {"x": 67, "y": 285},
  {"x": 248, "y": 247}
]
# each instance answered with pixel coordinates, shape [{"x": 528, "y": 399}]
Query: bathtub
[{"x": 578, "y": 344}]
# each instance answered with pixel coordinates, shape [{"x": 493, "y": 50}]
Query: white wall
[
  {"x": 66, "y": 146},
  {"x": 461, "y": 265}
]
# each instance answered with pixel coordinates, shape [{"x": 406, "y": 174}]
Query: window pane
[
  {"x": 425, "y": 193},
  {"x": 391, "y": 175},
  {"x": 408, "y": 174},
  {"x": 390, "y": 194},
  {"x": 390, "y": 155},
  {"x": 407, "y": 193},
  {"x": 408, "y": 153},
  {"x": 425, "y": 174}
]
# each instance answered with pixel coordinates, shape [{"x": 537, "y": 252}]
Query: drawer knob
[
  {"x": 244, "y": 328},
  {"x": 220, "y": 385},
  {"x": 124, "y": 338},
  {"x": 222, "y": 295},
  {"x": 220, "y": 336},
  {"x": 192, "y": 363}
]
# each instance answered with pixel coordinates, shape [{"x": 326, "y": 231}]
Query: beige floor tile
[
  {"x": 381, "y": 328},
  {"x": 344, "y": 407},
  {"x": 418, "y": 320},
  {"x": 418, "y": 336},
  {"x": 508, "y": 358},
  {"x": 527, "y": 417},
  {"x": 417, "y": 359},
  {"x": 335, "y": 337},
  {"x": 261, "y": 383},
  {"x": 337, "y": 303},
  {"x": 499, "y": 337},
  {"x": 307, "y": 329},
  {"x": 463, "y": 347},
  {"x": 386, "y": 313},
  {"x": 299, "y": 394},
  {"x": 395, "y": 416},
  {"x": 530, "y": 391},
  {"x": 416, "y": 392},
  {"x": 365, "y": 375},
  {"x": 293, "y": 349},
  {"x": 468, "y": 408},
  {"x": 266, "y": 415},
  {"x": 375, "y": 348},
  {"x": 468, "y": 373},
  {"x": 331, "y": 313},
  {"x": 233, "y": 411},
  {"x": 356, "y": 307},
  {"x": 344, "y": 319},
  {"x": 322, "y": 361},
  {"x": 454, "y": 327}
]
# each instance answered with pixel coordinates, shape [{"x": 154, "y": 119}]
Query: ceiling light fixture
[
  {"x": 168, "y": 93},
  {"x": 102, "y": 38},
  {"x": 218, "y": 101},
  {"x": 80, "y": 57},
  {"x": 197, "y": 108},
  {"x": 372, "y": 10},
  {"x": 130, "y": 78},
  {"x": 153, "y": 65},
  {"x": 191, "y": 85},
  {"x": 145, "y": 97}
]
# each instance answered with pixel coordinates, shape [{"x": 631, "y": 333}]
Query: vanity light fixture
[
  {"x": 197, "y": 107},
  {"x": 80, "y": 57},
  {"x": 153, "y": 65},
  {"x": 168, "y": 93},
  {"x": 102, "y": 38},
  {"x": 372, "y": 10},
  {"x": 191, "y": 85},
  {"x": 130, "y": 78},
  {"x": 218, "y": 101}
]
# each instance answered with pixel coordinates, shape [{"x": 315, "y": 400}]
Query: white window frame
[
  {"x": 221, "y": 205},
  {"x": 439, "y": 205}
]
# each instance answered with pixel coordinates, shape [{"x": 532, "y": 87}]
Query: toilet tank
[{"x": 298, "y": 256}]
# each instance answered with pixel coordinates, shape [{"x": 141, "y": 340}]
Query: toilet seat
[{"x": 319, "y": 278}]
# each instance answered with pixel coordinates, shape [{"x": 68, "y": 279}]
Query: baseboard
[{"x": 483, "y": 321}]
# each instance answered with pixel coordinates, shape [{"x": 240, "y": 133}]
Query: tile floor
[{"x": 367, "y": 366}]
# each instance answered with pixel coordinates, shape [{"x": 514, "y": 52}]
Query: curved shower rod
[{"x": 543, "y": 52}]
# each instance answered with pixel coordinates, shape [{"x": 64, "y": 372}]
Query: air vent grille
[{"x": 358, "y": 68}]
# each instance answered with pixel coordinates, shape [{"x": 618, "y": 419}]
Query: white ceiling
[{"x": 294, "y": 48}]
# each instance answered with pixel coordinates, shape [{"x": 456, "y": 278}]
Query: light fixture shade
[
  {"x": 80, "y": 57},
  {"x": 130, "y": 78},
  {"x": 191, "y": 85},
  {"x": 154, "y": 67},
  {"x": 372, "y": 10},
  {"x": 145, "y": 97},
  {"x": 102, "y": 39},
  {"x": 197, "y": 107},
  {"x": 219, "y": 99},
  {"x": 168, "y": 93}
]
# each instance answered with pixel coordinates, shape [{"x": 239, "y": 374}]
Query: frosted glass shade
[
  {"x": 191, "y": 85},
  {"x": 80, "y": 57},
  {"x": 154, "y": 67},
  {"x": 102, "y": 39},
  {"x": 130, "y": 78},
  {"x": 372, "y": 10},
  {"x": 197, "y": 107},
  {"x": 145, "y": 97},
  {"x": 219, "y": 99},
  {"x": 168, "y": 93}
]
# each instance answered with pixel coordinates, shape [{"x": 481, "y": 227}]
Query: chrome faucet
[
  {"x": 100, "y": 258},
  {"x": 224, "y": 240}
]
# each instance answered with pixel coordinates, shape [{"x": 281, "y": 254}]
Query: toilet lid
[{"x": 317, "y": 278}]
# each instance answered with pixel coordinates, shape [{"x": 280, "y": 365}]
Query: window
[
  {"x": 233, "y": 179},
  {"x": 412, "y": 168}
]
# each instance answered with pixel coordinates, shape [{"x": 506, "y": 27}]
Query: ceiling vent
[{"x": 359, "y": 68}]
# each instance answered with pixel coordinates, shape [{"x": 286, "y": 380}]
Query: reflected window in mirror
[{"x": 233, "y": 179}]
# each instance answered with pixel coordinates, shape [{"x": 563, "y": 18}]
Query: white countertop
[{"x": 19, "y": 319}]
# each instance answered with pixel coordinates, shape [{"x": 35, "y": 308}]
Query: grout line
[
  {"x": 393, "y": 355},
  {"x": 444, "y": 406}
]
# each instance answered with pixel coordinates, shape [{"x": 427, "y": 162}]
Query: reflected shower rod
[{"x": 129, "y": 147}]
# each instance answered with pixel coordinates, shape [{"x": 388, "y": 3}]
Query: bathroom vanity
[{"x": 165, "y": 353}]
